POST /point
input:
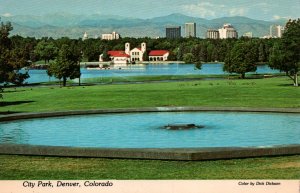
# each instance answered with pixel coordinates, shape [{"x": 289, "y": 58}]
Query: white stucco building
[
  {"x": 158, "y": 55},
  {"x": 135, "y": 55},
  {"x": 227, "y": 31},
  {"x": 126, "y": 56}
]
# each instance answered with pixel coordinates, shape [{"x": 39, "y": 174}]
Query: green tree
[
  {"x": 210, "y": 50},
  {"x": 46, "y": 50},
  {"x": 241, "y": 59},
  {"x": 188, "y": 58},
  {"x": 92, "y": 49},
  {"x": 12, "y": 58},
  {"x": 105, "y": 56},
  {"x": 261, "y": 53},
  {"x": 146, "y": 56},
  {"x": 285, "y": 55},
  {"x": 180, "y": 52},
  {"x": 203, "y": 52},
  {"x": 198, "y": 65},
  {"x": 172, "y": 56},
  {"x": 66, "y": 64}
]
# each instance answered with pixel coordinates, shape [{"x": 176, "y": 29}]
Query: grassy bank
[
  {"x": 271, "y": 92},
  {"x": 167, "y": 78},
  {"x": 145, "y": 79},
  {"x": 29, "y": 167}
]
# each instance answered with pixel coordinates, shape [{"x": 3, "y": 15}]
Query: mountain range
[{"x": 73, "y": 26}]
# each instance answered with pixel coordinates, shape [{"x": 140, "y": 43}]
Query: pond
[
  {"x": 147, "y": 130},
  {"x": 37, "y": 76}
]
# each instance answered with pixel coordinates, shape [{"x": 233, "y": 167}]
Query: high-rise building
[
  {"x": 173, "y": 32},
  {"x": 276, "y": 31},
  {"x": 212, "y": 34},
  {"x": 227, "y": 31},
  {"x": 190, "y": 30}
]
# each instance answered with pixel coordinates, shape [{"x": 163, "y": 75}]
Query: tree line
[{"x": 63, "y": 55}]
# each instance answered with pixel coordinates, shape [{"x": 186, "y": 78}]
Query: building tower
[
  {"x": 212, "y": 34},
  {"x": 227, "y": 31},
  {"x": 276, "y": 31},
  {"x": 190, "y": 30},
  {"x": 173, "y": 32},
  {"x": 143, "y": 47},
  {"x": 85, "y": 36},
  {"x": 280, "y": 30},
  {"x": 273, "y": 31},
  {"x": 127, "y": 48}
]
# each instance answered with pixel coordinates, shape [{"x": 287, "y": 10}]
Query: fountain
[
  {"x": 183, "y": 126},
  {"x": 134, "y": 133}
]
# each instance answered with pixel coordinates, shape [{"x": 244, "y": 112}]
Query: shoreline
[{"x": 144, "y": 62}]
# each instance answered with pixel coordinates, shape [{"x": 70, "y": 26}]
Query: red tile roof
[
  {"x": 158, "y": 52},
  {"x": 117, "y": 53}
]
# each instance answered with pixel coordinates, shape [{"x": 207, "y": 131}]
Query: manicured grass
[
  {"x": 271, "y": 92},
  {"x": 30, "y": 167},
  {"x": 145, "y": 79}
]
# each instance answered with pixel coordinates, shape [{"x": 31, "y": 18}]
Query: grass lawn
[
  {"x": 36, "y": 167},
  {"x": 271, "y": 92}
]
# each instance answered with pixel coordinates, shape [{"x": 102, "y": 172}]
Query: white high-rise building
[
  {"x": 190, "y": 30},
  {"x": 112, "y": 36},
  {"x": 276, "y": 31},
  {"x": 227, "y": 31}
]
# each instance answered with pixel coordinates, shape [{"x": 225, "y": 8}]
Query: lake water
[
  {"x": 37, "y": 76},
  {"x": 146, "y": 130}
]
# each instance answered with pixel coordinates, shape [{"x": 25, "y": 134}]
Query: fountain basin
[{"x": 222, "y": 137}]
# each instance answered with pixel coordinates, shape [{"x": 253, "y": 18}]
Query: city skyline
[{"x": 263, "y": 10}]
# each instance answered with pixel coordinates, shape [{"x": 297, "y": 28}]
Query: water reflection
[
  {"x": 145, "y": 70},
  {"x": 13, "y": 134}
]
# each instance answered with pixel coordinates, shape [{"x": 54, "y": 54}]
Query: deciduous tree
[
  {"x": 66, "y": 64},
  {"x": 285, "y": 55},
  {"x": 12, "y": 58},
  {"x": 241, "y": 59},
  {"x": 46, "y": 50}
]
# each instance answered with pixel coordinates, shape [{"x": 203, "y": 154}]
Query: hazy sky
[{"x": 256, "y": 9}]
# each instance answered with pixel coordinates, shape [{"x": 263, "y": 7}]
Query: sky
[{"x": 209, "y": 9}]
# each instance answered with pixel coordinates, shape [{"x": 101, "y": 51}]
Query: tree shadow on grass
[
  {"x": 9, "y": 112},
  {"x": 11, "y": 91},
  {"x": 286, "y": 85},
  {"x": 10, "y": 103}
]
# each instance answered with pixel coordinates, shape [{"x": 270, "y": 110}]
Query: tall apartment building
[
  {"x": 190, "y": 30},
  {"x": 212, "y": 34},
  {"x": 173, "y": 32},
  {"x": 227, "y": 31},
  {"x": 276, "y": 31},
  {"x": 112, "y": 36}
]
